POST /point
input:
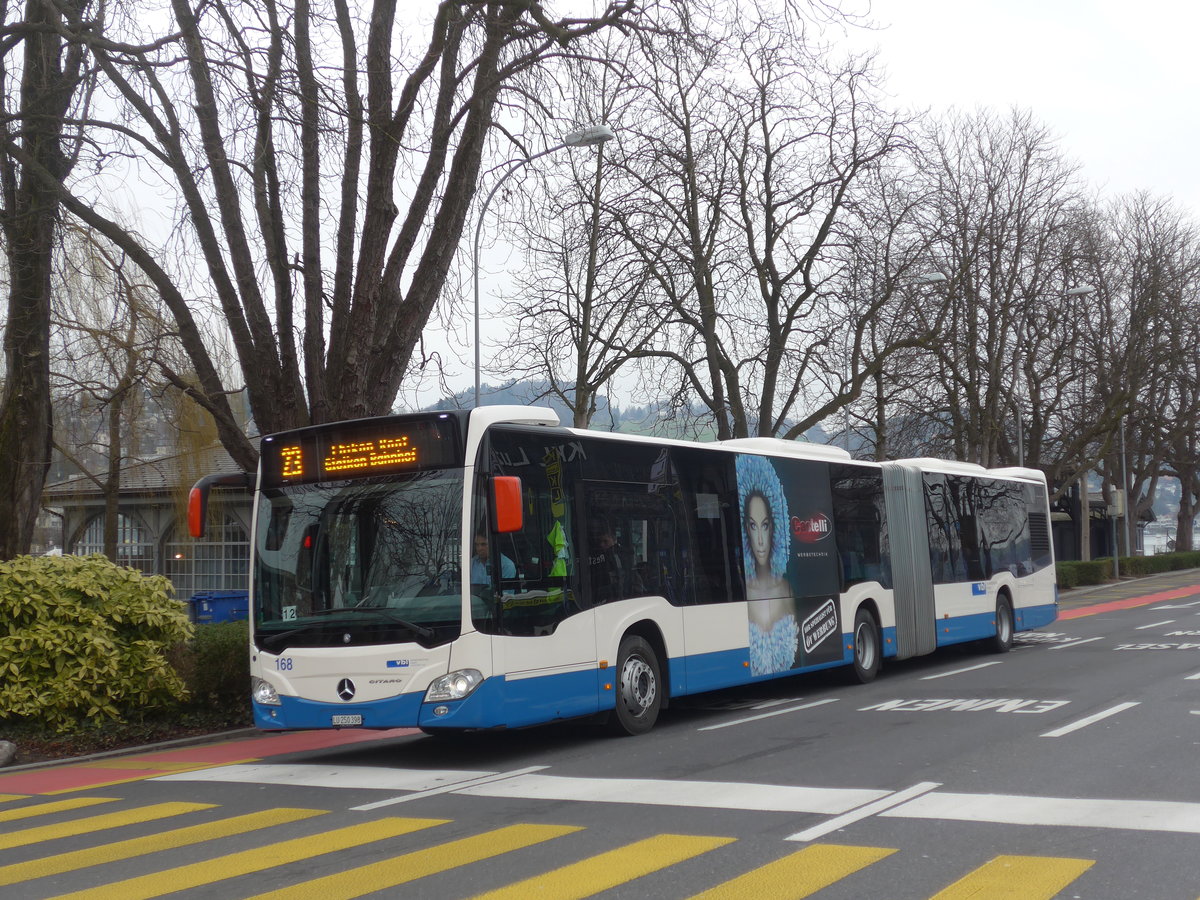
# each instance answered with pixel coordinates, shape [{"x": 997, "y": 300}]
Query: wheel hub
[{"x": 637, "y": 684}]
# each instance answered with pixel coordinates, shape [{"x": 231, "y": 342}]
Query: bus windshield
[{"x": 366, "y": 562}]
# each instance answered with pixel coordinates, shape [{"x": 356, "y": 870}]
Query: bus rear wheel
[
  {"x": 639, "y": 687},
  {"x": 1003, "y": 640},
  {"x": 868, "y": 650}
]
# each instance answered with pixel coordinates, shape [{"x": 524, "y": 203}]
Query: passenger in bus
[
  {"x": 481, "y": 572},
  {"x": 605, "y": 567}
]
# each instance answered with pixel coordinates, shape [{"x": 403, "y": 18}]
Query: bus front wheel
[
  {"x": 868, "y": 649},
  {"x": 639, "y": 687}
]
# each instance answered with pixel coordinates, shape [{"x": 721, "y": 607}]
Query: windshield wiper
[
  {"x": 419, "y": 630},
  {"x": 269, "y": 640}
]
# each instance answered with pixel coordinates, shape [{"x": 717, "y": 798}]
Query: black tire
[
  {"x": 868, "y": 648},
  {"x": 639, "y": 687},
  {"x": 1003, "y": 640}
]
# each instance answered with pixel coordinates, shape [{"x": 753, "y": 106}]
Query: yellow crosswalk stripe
[
  {"x": 1017, "y": 878},
  {"x": 4, "y": 798},
  {"x": 141, "y": 846},
  {"x": 140, "y": 777},
  {"x": 46, "y": 809},
  {"x": 247, "y": 862},
  {"x": 607, "y": 870},
  {"x": 411, "y": 866},
  {"x": 800, "y": 874},
  {"x": 97, "y": 823}
]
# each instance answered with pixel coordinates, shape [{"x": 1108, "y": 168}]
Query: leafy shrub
[
  {"x": 82, "y": 638},
  {"x": 1079, "y": 574},
  {"x": 215, "y": 665},
  {"x": 1162, "y": 562},
  {"x": 1074, "y": 573}
]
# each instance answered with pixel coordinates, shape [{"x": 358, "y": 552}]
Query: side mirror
[
  {"x": 508, "y": 510},
  {"x": 197, "y": 513}
]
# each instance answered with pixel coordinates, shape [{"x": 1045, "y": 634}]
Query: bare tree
[
  {"x": 1006, "y": 232},
  {"x": 324, "y": 194},
  {"x": 51, "y": 79},
  {"x": 1150, "y": 276},
  {"x": 580, "y": 310},
  {"x": 108, "y": 336},
  {"x": 752, "y": 146}
]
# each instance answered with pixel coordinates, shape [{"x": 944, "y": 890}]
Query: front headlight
[
  {"x": 262, "y": 692},
  {"x": 454, "y": 686}
]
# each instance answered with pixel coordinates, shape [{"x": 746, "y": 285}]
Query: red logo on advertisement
[{"x": 815, "y": 528}]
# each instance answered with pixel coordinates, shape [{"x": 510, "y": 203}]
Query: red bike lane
[
  {"x": 79, "y": 775},
  {"x": 1179, "y": 593}
]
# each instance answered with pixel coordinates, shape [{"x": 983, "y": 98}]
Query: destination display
[{"x": 360, "y": 449}]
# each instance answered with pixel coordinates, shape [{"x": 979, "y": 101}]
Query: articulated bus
[{"x": 491, "y": 569}]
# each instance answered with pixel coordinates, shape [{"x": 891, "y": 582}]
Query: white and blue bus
[{"x": 489, "y": 568}]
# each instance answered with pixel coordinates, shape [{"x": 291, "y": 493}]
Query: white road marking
[
  {"x": 768, "y": 715},
  {"x": 960, "y": 671},
  {"x": 447, "y": 789},
  {"x": 702, "y": 794},
  {"x": 863, "y": 812},
  {"x": 767, "y": 704},
  {"x": 355, "y": 777},
  {"x": 845, "y": 805},
  {"x": 1155, "y": 625},
  {"x": 1176, "y": 606},
  {"x": 1135, "y": 815},
  {"x": 1075, "y": 643},
  {"x": 975, "y": 704},
  {"x": 1090, "y": 720},
  {"x": 1195, "y": 677}
]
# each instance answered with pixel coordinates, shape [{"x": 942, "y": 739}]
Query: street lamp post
[
  {"x": 584, "y": 137},
  {"x": 1085, "y": 514}
]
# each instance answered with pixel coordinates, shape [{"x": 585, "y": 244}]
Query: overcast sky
[{"x": 1119, "y": 82}]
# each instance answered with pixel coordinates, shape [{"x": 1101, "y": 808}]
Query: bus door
[
  {"x": 525, "y": 589},
  {"x": 908, "y": 533}
]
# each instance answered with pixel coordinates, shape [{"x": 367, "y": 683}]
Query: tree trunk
[
  {"x": 48, "y": 81},
  {"x": 1185, "y": 524}
]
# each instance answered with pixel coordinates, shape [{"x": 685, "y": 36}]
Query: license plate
[{"x": 346, "y": 720}]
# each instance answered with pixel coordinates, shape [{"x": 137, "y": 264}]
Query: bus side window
[
  {"x": 859, "y": 517},
  {"x": 711, "y": 514},
  {"x": 633, "y": 549}
]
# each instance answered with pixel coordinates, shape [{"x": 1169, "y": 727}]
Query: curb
[{"x": 129, "y": 751}]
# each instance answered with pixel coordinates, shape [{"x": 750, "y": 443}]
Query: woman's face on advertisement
[{"x": 758, "y": 530}]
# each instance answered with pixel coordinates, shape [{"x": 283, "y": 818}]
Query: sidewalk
[{"x": 1129, "y": 593}]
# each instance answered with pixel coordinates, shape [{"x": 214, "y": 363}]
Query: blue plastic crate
[{"x": 210, "y": 607}]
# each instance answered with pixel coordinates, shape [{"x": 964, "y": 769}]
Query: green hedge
[
  {"x": 215, "y": 665},
  {"x": 83, "y": 640},
  {"x": 1076, "y": 574},
  {"x": 1163, "y": 562},
  {"x": 1100, "y": 571}
]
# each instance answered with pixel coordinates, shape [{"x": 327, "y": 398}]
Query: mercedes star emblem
[{"x": 345, "y": 689}]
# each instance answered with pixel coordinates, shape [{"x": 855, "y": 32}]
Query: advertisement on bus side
[{"x": 789, "y": 561}]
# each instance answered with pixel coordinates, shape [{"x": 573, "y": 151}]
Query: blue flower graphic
[{"x": 756, "y": 474}]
